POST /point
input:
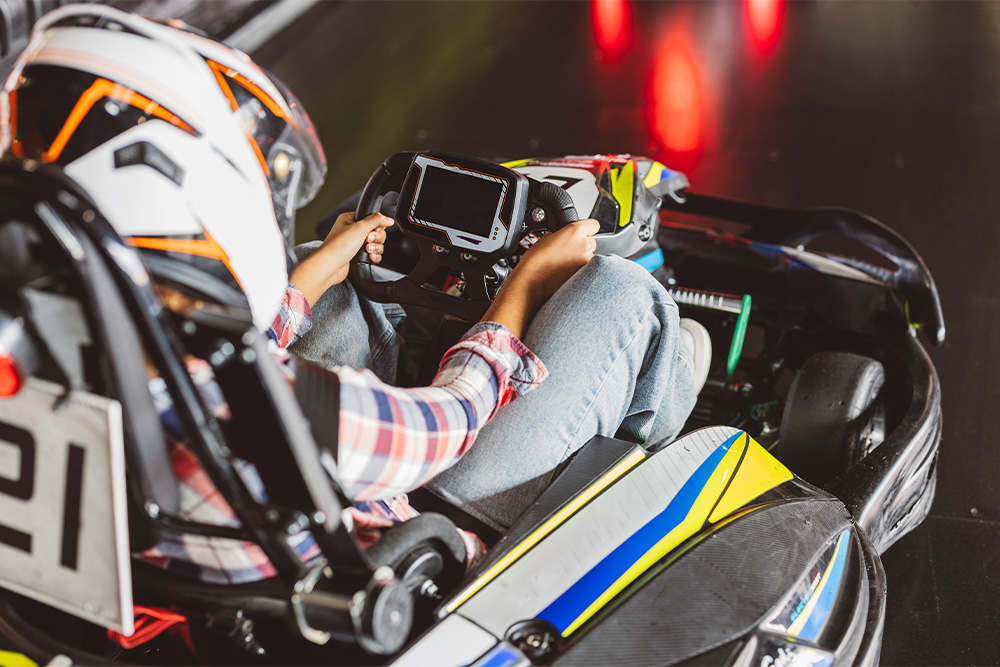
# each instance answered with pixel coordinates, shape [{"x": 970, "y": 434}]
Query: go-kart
[{"x": 752, "y": 539}]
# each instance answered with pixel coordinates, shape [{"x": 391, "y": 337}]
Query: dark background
[{"x": 891, "y": 108}]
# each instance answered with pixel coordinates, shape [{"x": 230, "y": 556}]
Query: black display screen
[{"x": 458, "y": 201}]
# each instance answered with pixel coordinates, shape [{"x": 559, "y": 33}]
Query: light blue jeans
[{"x": 609, "y": 338}]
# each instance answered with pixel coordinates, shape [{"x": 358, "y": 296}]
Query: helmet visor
[
  {"x": 301, "y": 137},
  {"x": 287, "y": 146}
]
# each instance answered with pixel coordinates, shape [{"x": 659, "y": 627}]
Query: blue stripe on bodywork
[
  {"x": 651, "y": 261},
  {"x": 568, "y": 606},
  {"x": 500, "y": 656},
  {"x": 824, "y": 604}
]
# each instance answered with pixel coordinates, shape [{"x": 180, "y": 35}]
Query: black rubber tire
[{"x": 833, "y": 416}]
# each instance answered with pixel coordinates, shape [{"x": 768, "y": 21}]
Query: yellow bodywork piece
[
  {"x": 11, "y": 659},
  {"x": 623, "y": 189},
  {"x": 758, "y": 473},
  {"x": 655, "y": 175}
]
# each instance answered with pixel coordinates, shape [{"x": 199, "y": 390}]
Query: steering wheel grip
[
  {"x": 557, "y": 200},
  {"x": 388, "y": 177}
]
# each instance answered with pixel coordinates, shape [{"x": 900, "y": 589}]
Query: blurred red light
[
  {"x": 10, "y": 380},
  {"x": 612, "y": 27},
  {"x": 764, "y": 17},
  {"x": 677, "y": 109}
]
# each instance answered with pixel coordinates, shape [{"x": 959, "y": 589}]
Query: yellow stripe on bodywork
[
  {"x": 514, "y": 164},
  {"x": 758, "y": 473},
  {"x": 11, "y": 659},
  {"x": 743, "y": 488},
  {"x": 655, "y": 175},
  {"x": 553, "y": 522},
  {"x": 623, "y": 189}
]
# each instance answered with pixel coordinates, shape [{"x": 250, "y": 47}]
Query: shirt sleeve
[
  {"x": 392, "y": 440},
  {"x": 293, "y": 320}
]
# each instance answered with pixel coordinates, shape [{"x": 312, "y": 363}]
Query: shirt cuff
[
  {"x": 495, "y": 342},
  {"x": 293, "y": 320}
]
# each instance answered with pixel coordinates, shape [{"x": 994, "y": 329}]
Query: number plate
[{"x": 63, "y": 524}]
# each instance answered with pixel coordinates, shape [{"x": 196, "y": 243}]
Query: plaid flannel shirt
[{"x": 390, "y": 441}]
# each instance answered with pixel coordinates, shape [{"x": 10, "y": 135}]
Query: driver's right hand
[
  {"x": 545, "y": 267},
  {"x": 553, "y": 260}
]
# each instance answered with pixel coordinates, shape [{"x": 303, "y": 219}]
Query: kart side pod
[{"x": 710, "y": 542}]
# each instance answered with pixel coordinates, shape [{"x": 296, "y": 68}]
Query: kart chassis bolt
[{"x": 429, "y": 589}]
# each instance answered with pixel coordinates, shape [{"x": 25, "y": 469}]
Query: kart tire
[{"x": 833, "y": 416}]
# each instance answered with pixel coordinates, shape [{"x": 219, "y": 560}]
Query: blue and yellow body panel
[
  {"x": 736, "y": 473},
  {"x": 704, "y": 483}
]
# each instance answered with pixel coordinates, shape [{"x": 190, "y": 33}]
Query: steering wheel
[{"x": 533, "y": 206}]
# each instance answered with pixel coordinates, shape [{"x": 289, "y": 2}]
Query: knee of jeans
[
  {"x": 613, "y": 267},
  {"x": 610, "y": 270}
]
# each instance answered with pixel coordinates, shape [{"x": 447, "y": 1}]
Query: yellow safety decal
[
  {"x": 623, "y": 189},
  {"x": 551, "y": 524},
  {"x": 10, "y": 659},
  {"x": 758, "y": 473},
  {"x": 655, "y": 175}
]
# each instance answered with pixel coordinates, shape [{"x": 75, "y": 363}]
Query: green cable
[{"x": 739, "y": 333}]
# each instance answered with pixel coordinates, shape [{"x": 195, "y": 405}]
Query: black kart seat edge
[{"x": 125, "y": 358}]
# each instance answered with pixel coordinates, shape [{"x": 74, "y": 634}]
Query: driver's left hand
[{"x": 330, "y": 263}]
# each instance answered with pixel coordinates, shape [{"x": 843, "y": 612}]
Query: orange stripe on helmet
[
  {"x": 15, "y": 145},
  {"x": 254, "y": 89},
  {"x": 99, "y": 90},
  {"x": 260, "y": 156},
  {"x": 259, "y": 93},
  {"x": 220, "y": 78},
  {"x": 206, "y": 247}
]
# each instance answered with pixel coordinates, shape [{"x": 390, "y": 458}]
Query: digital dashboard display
[{"x": 458, "y": 201}]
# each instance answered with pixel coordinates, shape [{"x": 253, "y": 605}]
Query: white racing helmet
[{"x": 195, "y": 154}]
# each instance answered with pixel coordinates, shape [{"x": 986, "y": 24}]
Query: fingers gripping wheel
[{"x": 465, "y": 215}]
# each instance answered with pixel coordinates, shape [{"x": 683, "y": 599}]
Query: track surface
[{"x": 889, "y": 108}]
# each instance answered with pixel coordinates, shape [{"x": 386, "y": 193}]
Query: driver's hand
[
  {"x": 545, "y": 267},
  {"x": 330, "y": 263},
  {"x": 553, "y": 260}
]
